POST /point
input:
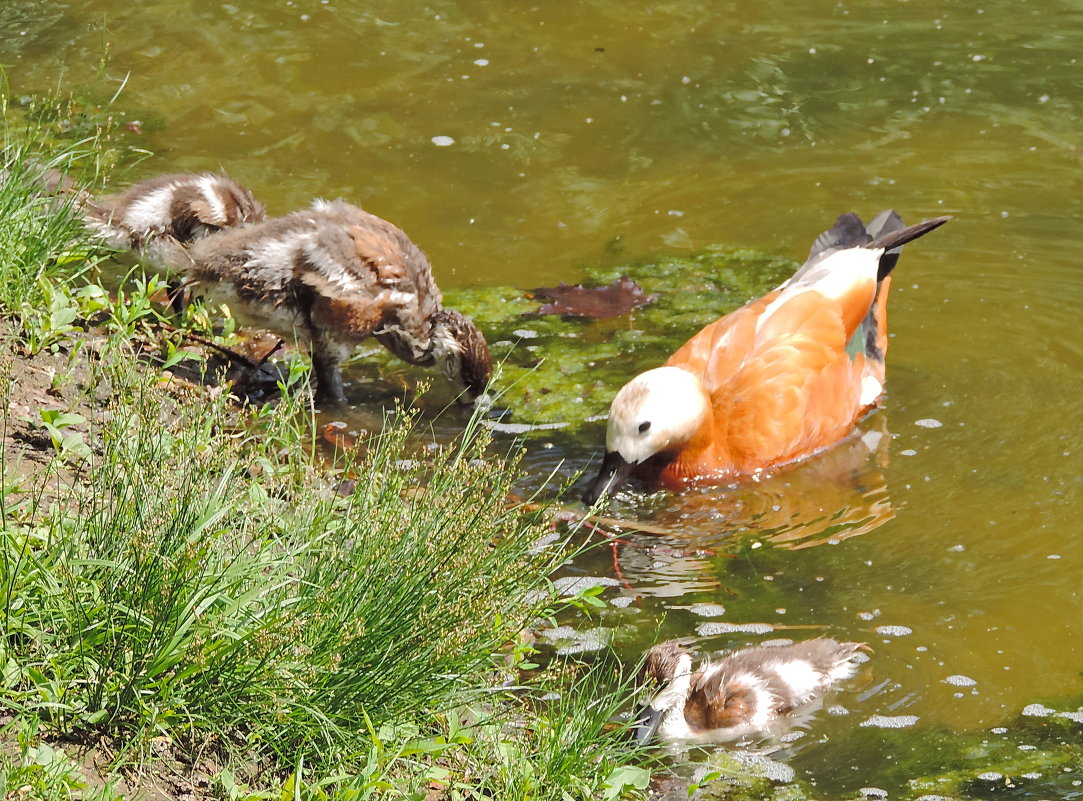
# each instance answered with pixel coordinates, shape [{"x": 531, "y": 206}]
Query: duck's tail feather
[
  {"x": 847, "y": 232},
  {"x": 882, "y": 224},
  {"x": 891, "y": 236}
]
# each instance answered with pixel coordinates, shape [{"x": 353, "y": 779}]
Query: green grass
[
  {"x": 197, "y": 575},
  {"x": 185, "y": 570}
]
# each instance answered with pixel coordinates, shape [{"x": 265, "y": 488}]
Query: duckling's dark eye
[{"x": 644, "y": 426}]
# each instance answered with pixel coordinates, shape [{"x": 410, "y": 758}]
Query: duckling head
[
  {"x": 657, "y": 411},
  {"x": 668, "y": 668},
  {"x": 460, "y": 352}
]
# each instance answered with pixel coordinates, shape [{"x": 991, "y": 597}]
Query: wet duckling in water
[
  {"x": 159, "y": 218},
  {"x": 338, "y": 275},
  {"x": 740, "y": 694}
]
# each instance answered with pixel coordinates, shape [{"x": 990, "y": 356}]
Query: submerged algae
[{"x": 566, "y": 370}]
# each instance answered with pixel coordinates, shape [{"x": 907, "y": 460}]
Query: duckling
[
  {"x": 777, "y": 380},
  {"x": 157, "y": 219},
  {"x": 338, "y": 275},
  {"x": 741, "y": 694}
]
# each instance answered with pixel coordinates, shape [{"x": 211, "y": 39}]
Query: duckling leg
[
  {"x": 175, "y": 291},
  {"x": 337, "y": 324},
  {"x": 326, "y": 358},
  {"x": 330, "y": 388}
]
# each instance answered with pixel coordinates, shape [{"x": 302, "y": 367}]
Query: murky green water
[{"x": 595, "y": 132}]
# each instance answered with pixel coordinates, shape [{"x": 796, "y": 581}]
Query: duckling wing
[
  {"x": 357, "y": 276},
  {"x": 710, "y": 705}
]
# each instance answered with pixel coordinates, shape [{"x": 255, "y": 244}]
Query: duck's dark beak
[
  {"x": 615, "y": 471},
  {"x": 646, "y": 724}
]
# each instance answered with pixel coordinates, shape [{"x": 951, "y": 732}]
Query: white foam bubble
[
  {"x": 443, "y": 141},
  {"x": 782, "y": 642},
  {"x": 928, "y": 422},
  {"x": 573, "y": 585},
  {"x": 714, "y": 628},
  {"x": 707, "y": 610},
  {"x": 520, "y": 428},
  {"x": 890, "y": 721},
  {"x": 893, "y": 631},
  {"x": 572, "y": 641},
  {"x": 1038, "y": 711},
  {"x": 766, "y": 768},
  {"x": 959, "y": 680}
]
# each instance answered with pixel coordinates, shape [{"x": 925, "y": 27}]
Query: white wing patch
[
  {"x": 151, "y": 212},
  {"x": 838, "y": 273},
  {"x": 871, "y": 389},
  {"x": 800, "y": 676},
  {"x": 208, "y": 185},
  {"x": 834, "y": 277}
]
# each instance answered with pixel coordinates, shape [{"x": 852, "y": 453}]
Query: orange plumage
[{"x": 782, "y": 377}]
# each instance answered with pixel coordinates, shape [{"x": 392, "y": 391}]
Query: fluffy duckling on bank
[
  {"x": 775, "y": 381},
  {"x": 336, "y": 275},
  {"x": 741, "y": 694}
]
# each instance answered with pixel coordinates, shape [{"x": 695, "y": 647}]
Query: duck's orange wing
[
  {"x": 719, "y": 349},
  {"x": 798, "y": 388}
]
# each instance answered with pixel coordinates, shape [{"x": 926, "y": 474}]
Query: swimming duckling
[
  {"x": 782, "y": 377},
  {"x": 157, "y": 219},
  {"x": 742, "y": 693},
  {"x": 337, "y": 275}
]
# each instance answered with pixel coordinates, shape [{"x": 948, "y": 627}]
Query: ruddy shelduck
[
  {"x": 779, "y": 379},
  {"x": 742, "y": 694}
]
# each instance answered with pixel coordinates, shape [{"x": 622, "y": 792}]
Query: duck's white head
[{"x": 656, "y": 411}]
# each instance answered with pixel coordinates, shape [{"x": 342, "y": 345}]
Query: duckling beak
[
  {"x": 646, "y": 724},
  {"x": 482, "y": 402},
  {"x": 615, "y": 471}
]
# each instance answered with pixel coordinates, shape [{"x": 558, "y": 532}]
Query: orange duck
[{"x": 779, "y": 379}]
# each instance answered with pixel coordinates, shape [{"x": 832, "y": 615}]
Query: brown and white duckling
[
  {"x": 742, "y": 693},
  {"x": 157, "y": 219},
  {"x": 337, "y": 275}
]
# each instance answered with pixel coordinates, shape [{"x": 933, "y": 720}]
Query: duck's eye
[{"x": 644, "y": 427}]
